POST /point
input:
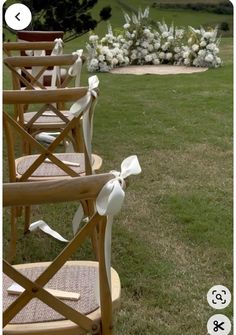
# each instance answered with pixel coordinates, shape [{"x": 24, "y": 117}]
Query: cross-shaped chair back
[
  {"x": 47, "y": 163},
  {"x": 20, "y": 68}
]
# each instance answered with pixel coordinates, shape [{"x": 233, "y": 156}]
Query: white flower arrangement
[{"x": 140, "y": 43}]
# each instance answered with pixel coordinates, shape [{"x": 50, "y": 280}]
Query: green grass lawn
[{"x": 173, "y": 239}]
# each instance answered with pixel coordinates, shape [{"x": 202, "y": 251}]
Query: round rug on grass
[{"x": 157, "y": 69}]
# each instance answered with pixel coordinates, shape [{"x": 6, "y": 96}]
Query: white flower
[
  {"x": 170, "y": 38},
  {"x": 203, "y": 44},
  {"x": 94, "y": 62},
  {"x": 101, "y": 58},
  {"x": 211, "y": 46},
  {"x": 157, "y": 46},
  {"x": 144, "y": 44},
  {"x": 144, "y": 52},
  {"x": 146, "y": 31},
  {"x": 162, "y": 55},
  {"x": 169, "y": 55},
  {"x": 150, "y": 48},
  {"x": 126, "y": 26},
  {"x": 120, "y": 58},
  {"x": 218, "y": 60},
  {"x": 148, "y": 58},
  {"x": 93, "y": 38},
  {"x": 165, "y": 34},
  {"x": 195, "y": 47},
  {"x": 115, "y": 61},
  {"x": 208, "y": 34},
  {"x": 186, "y": 62},
  {"x": 202, "y": 53},
  {"x": 165, "y": 46},
  {"x": 156, "y": 61},
  {"x": 209, "y": 58},
  {"x": 177, "y": 49},
  {"x": 186, "y": 54}
]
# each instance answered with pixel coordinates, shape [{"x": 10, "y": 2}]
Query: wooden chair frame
[
  {"x": 44, "y": 97},
  {"x": 24, "y": 76},
  {"x": 98, "y": 322},
  {"x": 9, "y": 47}
]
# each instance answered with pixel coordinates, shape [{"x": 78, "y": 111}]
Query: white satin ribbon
[
  {"x": 111, "y": 197},
  {"x": 109, "y": 203},
  {"x": 75, "y": 69},
  {"x": 42, "y": 225},
  {"x": 82, "y": 106},
  {"x": 58, "y": 47},
  {"x": 57, "y": 51}
]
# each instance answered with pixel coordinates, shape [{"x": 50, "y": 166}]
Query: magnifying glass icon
[{"x": 219, "y": 297}]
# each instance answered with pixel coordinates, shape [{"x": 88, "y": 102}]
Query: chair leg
[
  {"x": 13, "y": 236},
  {"x": 27, "y": 219}
]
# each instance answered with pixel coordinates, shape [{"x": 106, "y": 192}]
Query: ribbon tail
[
  {"x": 107, "y": 252},
  {"x": 42, "y": 225}
]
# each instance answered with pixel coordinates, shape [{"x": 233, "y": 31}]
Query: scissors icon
[{"x": 218, "y": 326}]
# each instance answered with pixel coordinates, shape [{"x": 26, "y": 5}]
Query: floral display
[{"x": 141, "y": 43}]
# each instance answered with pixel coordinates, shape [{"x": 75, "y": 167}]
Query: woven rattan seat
[
  {"x": 51, "y": 170},
  {"x": 44, "y": 121}
]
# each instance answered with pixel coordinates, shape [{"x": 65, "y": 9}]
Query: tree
[{"x": 71, "y": 16}]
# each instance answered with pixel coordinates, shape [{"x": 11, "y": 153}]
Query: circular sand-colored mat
[{"x": 157, "y": 69}]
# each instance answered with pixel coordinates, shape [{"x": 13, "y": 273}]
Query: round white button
[
  {"x": 219, "y": 297},
  {"x": 219, "y": 324},
  {"x": 18, "y": 16}
]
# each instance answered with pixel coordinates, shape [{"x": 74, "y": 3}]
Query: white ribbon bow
[
  {"x": 111, "y": 197},
  {"x": 80, "y": 105},
  {"x": 109, "y": 202},
  {"x": 75, "y": 69},
  {"x": 58, "y": 47}
]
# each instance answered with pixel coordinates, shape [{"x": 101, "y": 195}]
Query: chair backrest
[
  {"x": 21, "y": 74},
  {"x": 38, "y": 36},
  {"x": 83, "y": 100},
  {"x": 82, "y": 189},
  {"x": 29, "y": 48}
]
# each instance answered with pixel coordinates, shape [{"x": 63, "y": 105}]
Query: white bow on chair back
[{"x": 109, "y": 203}]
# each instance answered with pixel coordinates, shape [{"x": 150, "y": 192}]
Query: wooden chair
[
  {"x": 49, "y": 303},
  {"x": 36, "y": 49},
  {"x": 47, "y": 163},
  {"x": 21, "y": 74}
]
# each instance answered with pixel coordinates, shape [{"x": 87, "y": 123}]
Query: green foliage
[
  {"x": 224, "y": 26},
  {"x": 72, "y": 17},
  {"x": 225, "y": 7}
]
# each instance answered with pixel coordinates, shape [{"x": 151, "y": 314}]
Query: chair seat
[
  {"x": 48, "y": 119},
  {"x": 74, "y": 276},
  {"x": 48, "y": 170}
]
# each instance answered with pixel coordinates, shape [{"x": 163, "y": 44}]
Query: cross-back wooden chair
[
  {"x": 62, "y": 296},
  {"x": 18, "y": 66},
  {"x": 55, "y": 48},
  {"x": 47, "y": 163}
]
